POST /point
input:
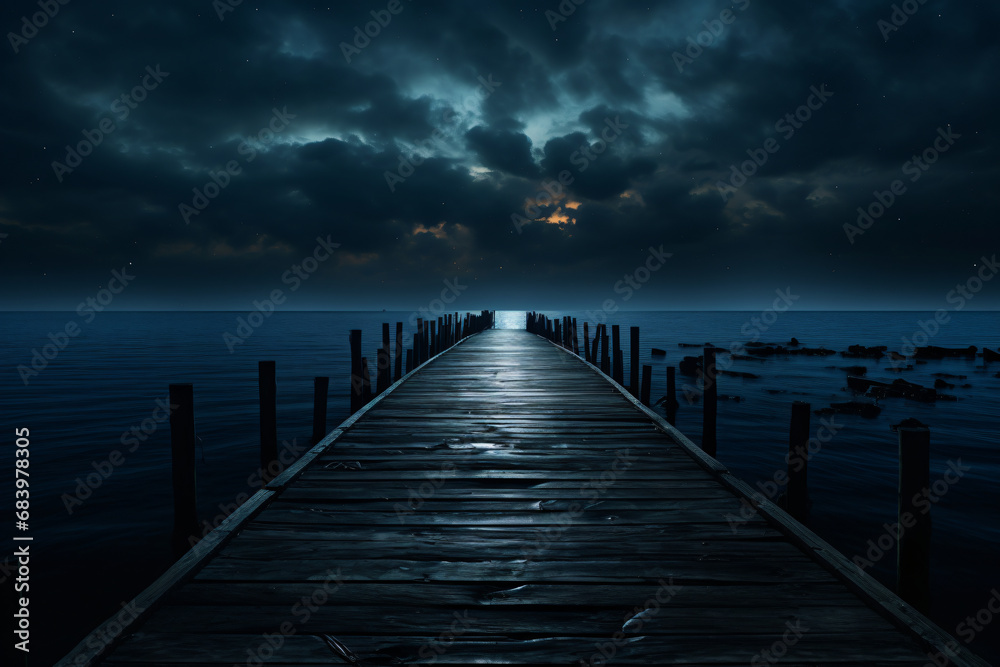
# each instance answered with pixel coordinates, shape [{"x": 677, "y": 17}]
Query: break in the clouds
[{"x": 534, "y": 150}]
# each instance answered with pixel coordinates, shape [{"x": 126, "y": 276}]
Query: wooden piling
[
  {"x": 633, "y": 368},
  {"x": 384, "y": 361},
  {"x": 586, "y": 342},
  {"x": 432, "y": 339},
  {"x": 605, "y": 353},
  {"x": 418, "y": 354},
  {"x": 268, "y": 391},
  {"x": 399, "y": 352},
  {"x": 366, "y": 380},
  {"x": 321, "y": 387},
  {"x": 409, "y": 357},
  {"x": 182, "y": 449},
  {"x": 774, "y": 565},
  {"x": 357, "y": 386},
  {"x": 647, "y": 379},
  {"x": 709, "y": 400},
  {"x": 382, "y": 369},
  {"x": 619, "y": 368},
  {"x": 671, "y": 404},
  {"x": 596, "y": 345},
  {"x": 797, "y": 493},
  {"x": 383, "y": 372},
  {"x": 913, "y": 546}
]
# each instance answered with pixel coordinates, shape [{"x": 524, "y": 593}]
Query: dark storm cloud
[
  {"x": 503, "y": 150},
  {"x": 438, "y": 150}
]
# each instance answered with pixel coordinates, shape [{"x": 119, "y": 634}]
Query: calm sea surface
[{"x": 91, "y": 555}]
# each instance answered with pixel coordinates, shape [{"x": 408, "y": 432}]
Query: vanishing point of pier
[{"x": 507, "y": 503}]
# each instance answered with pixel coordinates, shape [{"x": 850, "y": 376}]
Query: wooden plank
[
  {"x": 670, "y": 620},
  {"x": 514, "y": 534},
  {"x": 96, "y": 644},
  {"x": 608, "y": 570},
  {"x": 931, "y": 638},
  {"x": 485, "y": 484},
  {"x": 863, "y": 648},
  {"x": 489, "y": 594}
]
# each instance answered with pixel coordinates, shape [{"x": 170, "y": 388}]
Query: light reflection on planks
[{"x": 475, "y": 488}]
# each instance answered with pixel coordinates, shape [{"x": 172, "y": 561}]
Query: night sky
[{"x": 531, "y": 153}]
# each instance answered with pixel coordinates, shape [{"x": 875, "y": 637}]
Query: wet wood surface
[{"x": 505, "y": 504}]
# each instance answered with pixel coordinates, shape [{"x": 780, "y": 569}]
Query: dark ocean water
[{"x": 96, "y": 554}]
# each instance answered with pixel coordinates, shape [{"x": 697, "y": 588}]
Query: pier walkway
[{"x": 507, "y": 503}]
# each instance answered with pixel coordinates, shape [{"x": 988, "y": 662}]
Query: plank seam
[
  {"x": 928, "y": 634},
  {"x": 186, "y": 567}
]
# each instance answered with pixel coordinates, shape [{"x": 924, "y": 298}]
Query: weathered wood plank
[
  {"x": 488, "y": 594},
  {"x": 671, "y": 619},
  {"x": 488, "y": 483},
  {"x": 868, "y": 648},
  {"x": 606, "y": 570}
]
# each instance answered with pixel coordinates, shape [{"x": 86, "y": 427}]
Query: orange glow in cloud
[
  {"x": 558, "y": 217},
  {"x": 436, "y": 231}
]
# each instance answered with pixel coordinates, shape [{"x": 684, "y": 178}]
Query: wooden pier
[{"x": 506, "y": 503}]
